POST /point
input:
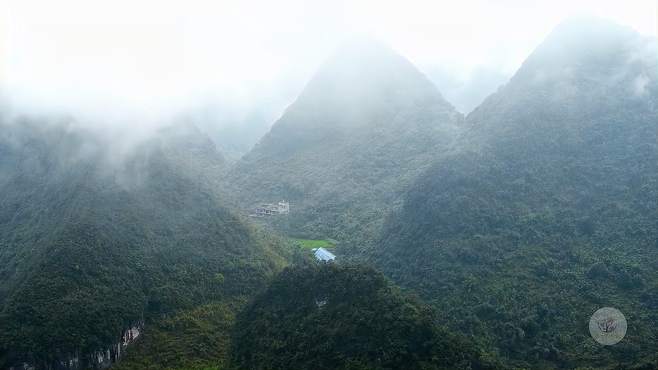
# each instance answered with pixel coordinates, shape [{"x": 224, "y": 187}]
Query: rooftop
[{"x": 323, "y": 255}]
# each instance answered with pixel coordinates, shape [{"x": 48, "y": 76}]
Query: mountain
[
  {"x": 547, "y": 211},
  {"x": 97, "y": 238},
  {"x": 344, "y": 317},
  {"x": 363, "y": 127}
]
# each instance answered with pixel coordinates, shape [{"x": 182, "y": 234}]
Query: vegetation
[
  {"x": 325, "y": 316},
  {"x": 514, "y": 224},
  {"x": 363, "y": 128},
  {"x": 547, "y": 213},
  {"x": 314, "y": 243},
  {"x": 88, "y": 252},
  {"x": 192, "y": 339}
]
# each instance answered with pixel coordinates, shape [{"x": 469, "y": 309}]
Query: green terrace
[{"x": 314, "y": 243}]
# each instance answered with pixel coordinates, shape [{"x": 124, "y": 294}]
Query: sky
[{"x": 154, "y": 58}]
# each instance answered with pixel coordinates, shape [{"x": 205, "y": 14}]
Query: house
[
  {"x": 323, "y": 255},
  {"x": 272, "y": 209}
]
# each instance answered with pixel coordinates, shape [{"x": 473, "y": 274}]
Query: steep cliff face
[
  {"x": 98, "y": 359},
  {"x": 91, "y": 245},
  {"x": 547, "y": 211}
]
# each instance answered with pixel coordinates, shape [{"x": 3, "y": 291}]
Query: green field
[{"x": 314, "y": 243}]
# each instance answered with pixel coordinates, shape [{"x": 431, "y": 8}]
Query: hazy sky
[{"x": 156, "y": 56}]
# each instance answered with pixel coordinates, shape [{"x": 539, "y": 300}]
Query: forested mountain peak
[
  {"x": 585, "y": 67},
  {"x": 189, "y": 187},
  {"x": 93, "y": 246},
  {"x": 345, "y": 317},
  {"x": 578, "y": 40},
  {"x": 365, "y": 71},
  {"x": 546, "y": 211},
  {"x": 589, "y": 51},
  {"x": 360, "y": 88},
  {"x": 361, "y": 129}
]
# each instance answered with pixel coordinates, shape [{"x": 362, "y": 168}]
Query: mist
[
  {"x": 233, "y": 67},
  {"x": 348, "y": 184}
]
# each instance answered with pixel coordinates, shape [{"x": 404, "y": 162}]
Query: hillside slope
[
  {"x": 362, "y": 129},
  {"x": 548, "y": 210},
  {"x": 344, "y": 317},
  {"x": 91, "y": 245}
]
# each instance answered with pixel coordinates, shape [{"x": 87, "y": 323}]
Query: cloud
[{"x": 143, "y": 61}]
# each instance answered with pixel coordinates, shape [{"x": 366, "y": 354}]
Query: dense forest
[
  {"x": 477, "y": 242},
  {"x": 345, "y": 317},
  {"x": 548, "y": 209},
  {"x": 360, "y": 131},
  {"x": 88, "y": 253}
]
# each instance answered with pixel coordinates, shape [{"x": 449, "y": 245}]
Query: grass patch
[{"x": 314, "y": 243}]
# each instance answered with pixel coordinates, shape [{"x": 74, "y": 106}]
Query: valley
[{"x": 481, "y": 241}]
